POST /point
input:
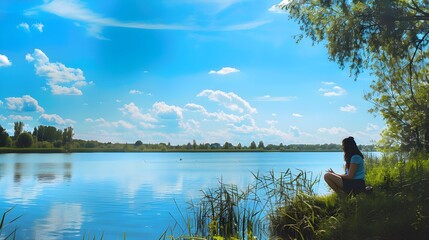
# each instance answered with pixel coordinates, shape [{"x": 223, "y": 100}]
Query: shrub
[{"x": 25, "y": 140}]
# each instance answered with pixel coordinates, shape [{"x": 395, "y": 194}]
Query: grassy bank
[{"x": 285, "y": 207}]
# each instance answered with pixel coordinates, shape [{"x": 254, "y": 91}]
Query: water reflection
[
  {"x": 25, "y": 178},
  {"x": 17, "y": 176},
  {"x": 44, "y": 172},
  {"x": 62, "y": 219}
]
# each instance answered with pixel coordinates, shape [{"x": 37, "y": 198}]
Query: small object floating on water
[{"x": 180, "y": 159}]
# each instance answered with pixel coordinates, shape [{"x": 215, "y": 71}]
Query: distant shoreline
[{"x": 95, "y": 150}]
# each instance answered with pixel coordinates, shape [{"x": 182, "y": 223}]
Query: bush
[
  {"x": 58, "y": 144},
  {"x": 25, "y": 140}
]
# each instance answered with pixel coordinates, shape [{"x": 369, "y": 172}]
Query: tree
[
  {"x": 18, "y": 128},
  {"x": 67, "y": 136},
  {"x": 24, "y": 140},
  {"x": 5, "y": 139},
  {"x": 138, "y": 143},
  {"x": 228, "y": 145},
  {"x": 253, "y": 145},
  {"x": 390, "y": 39},
  {"x": 261, "y": 145}
]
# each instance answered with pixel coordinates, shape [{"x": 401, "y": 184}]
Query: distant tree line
[
  {"x": 51, "y": 137},
  {"x": 41, "y": 137}
]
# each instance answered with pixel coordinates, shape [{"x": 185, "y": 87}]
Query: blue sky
[{"x": 174, "y": 71}]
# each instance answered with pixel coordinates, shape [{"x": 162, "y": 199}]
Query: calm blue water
[{"x": 64, "y": 196}]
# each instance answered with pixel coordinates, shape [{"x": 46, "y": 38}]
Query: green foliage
[
  {"x": 5, "y": 140},
  {"x": 138, "y": 143},
  {"x": 228, "y": 212},
  {"x": 4, "y": 225},
  {"x": 389, "y": 38},
  {"x": 25, "y": 140},
  {"x": 18, "y": 128}
]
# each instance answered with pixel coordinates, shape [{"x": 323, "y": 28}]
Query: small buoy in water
[{"x": 180, "y": 159}]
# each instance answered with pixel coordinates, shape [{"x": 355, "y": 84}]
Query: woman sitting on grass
[{"x": 353, "y": 181}]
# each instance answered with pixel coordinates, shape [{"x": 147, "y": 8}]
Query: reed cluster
[{"x": 284, "y": 206}]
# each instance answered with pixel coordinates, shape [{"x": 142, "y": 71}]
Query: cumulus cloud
[
  {"x": 23, "y": 104},
  {"x": 4, "y": 61},
  {"x": 135, "y": 113},
  {"x": 224, "y": 71},
  {"x": 217, "y": 116},
  {"x": 162, "y": 110},
  {"x": 348, "y": 108},
  {"x": 24, "y": 26},
  {"x": 54, "y": 119},
  {"x": 333, "y": 92},
  {"x": 2, "y": 118},
  {"x": 297, "y": 115},
  {"x": 229, "y": 100},
  {"x": 61, "y": 79}
]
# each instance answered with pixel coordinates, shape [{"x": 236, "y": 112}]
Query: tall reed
[{"x": 227, "y": 212}]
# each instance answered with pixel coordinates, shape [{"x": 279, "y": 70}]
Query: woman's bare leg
[{"x": 334, "y": 181}]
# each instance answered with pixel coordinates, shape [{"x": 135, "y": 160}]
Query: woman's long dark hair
[{"x": 350, "y": 148}]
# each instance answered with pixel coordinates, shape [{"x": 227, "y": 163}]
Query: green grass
[{"x": 285, "y": 207}]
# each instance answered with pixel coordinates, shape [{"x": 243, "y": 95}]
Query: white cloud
[
  {"x": 135, "y": 113},
  {"x": 79, "y": 12},
  {"x": 348, "y": 108},
  {"x": 334, "y": 131},
  {"x": 61, "y": 79},
  {"x": 133, "y": 91},
  {"x": 269, "y": 98},
  {"x": 278, "y": 7},
  {"x": 333, "y": 92},
  {"x": 20, "y": 118},
  {"x": 54, "y": 119},
  {"x": 217, "y": 116},
  {"x": 297, "y": 115},
  {"x": 230, "y": 100},
  {"x": 161, "y": 109},
  {"x": 38, "y": 26},
  {"x": 2, "y": 118},
  {"x": 23, "y": 104},
  {"x": 60, "y": 90},
  {"x": 4, "y": 61},
  {"x": 224, "y": 71},
  {"x": 24, "y": 26}
]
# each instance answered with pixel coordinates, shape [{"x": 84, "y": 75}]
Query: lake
[{"x": 64, "y": 196}]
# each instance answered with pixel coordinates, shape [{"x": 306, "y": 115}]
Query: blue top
[{"x": 360, "y": 171}]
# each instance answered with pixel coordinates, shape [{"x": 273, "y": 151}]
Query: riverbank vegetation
[
  {"x": 285, "y": 206},
  {"x": 48, "y": 139}
]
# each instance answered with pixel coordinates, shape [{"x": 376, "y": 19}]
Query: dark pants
[{"x": 354, "y": 186}]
